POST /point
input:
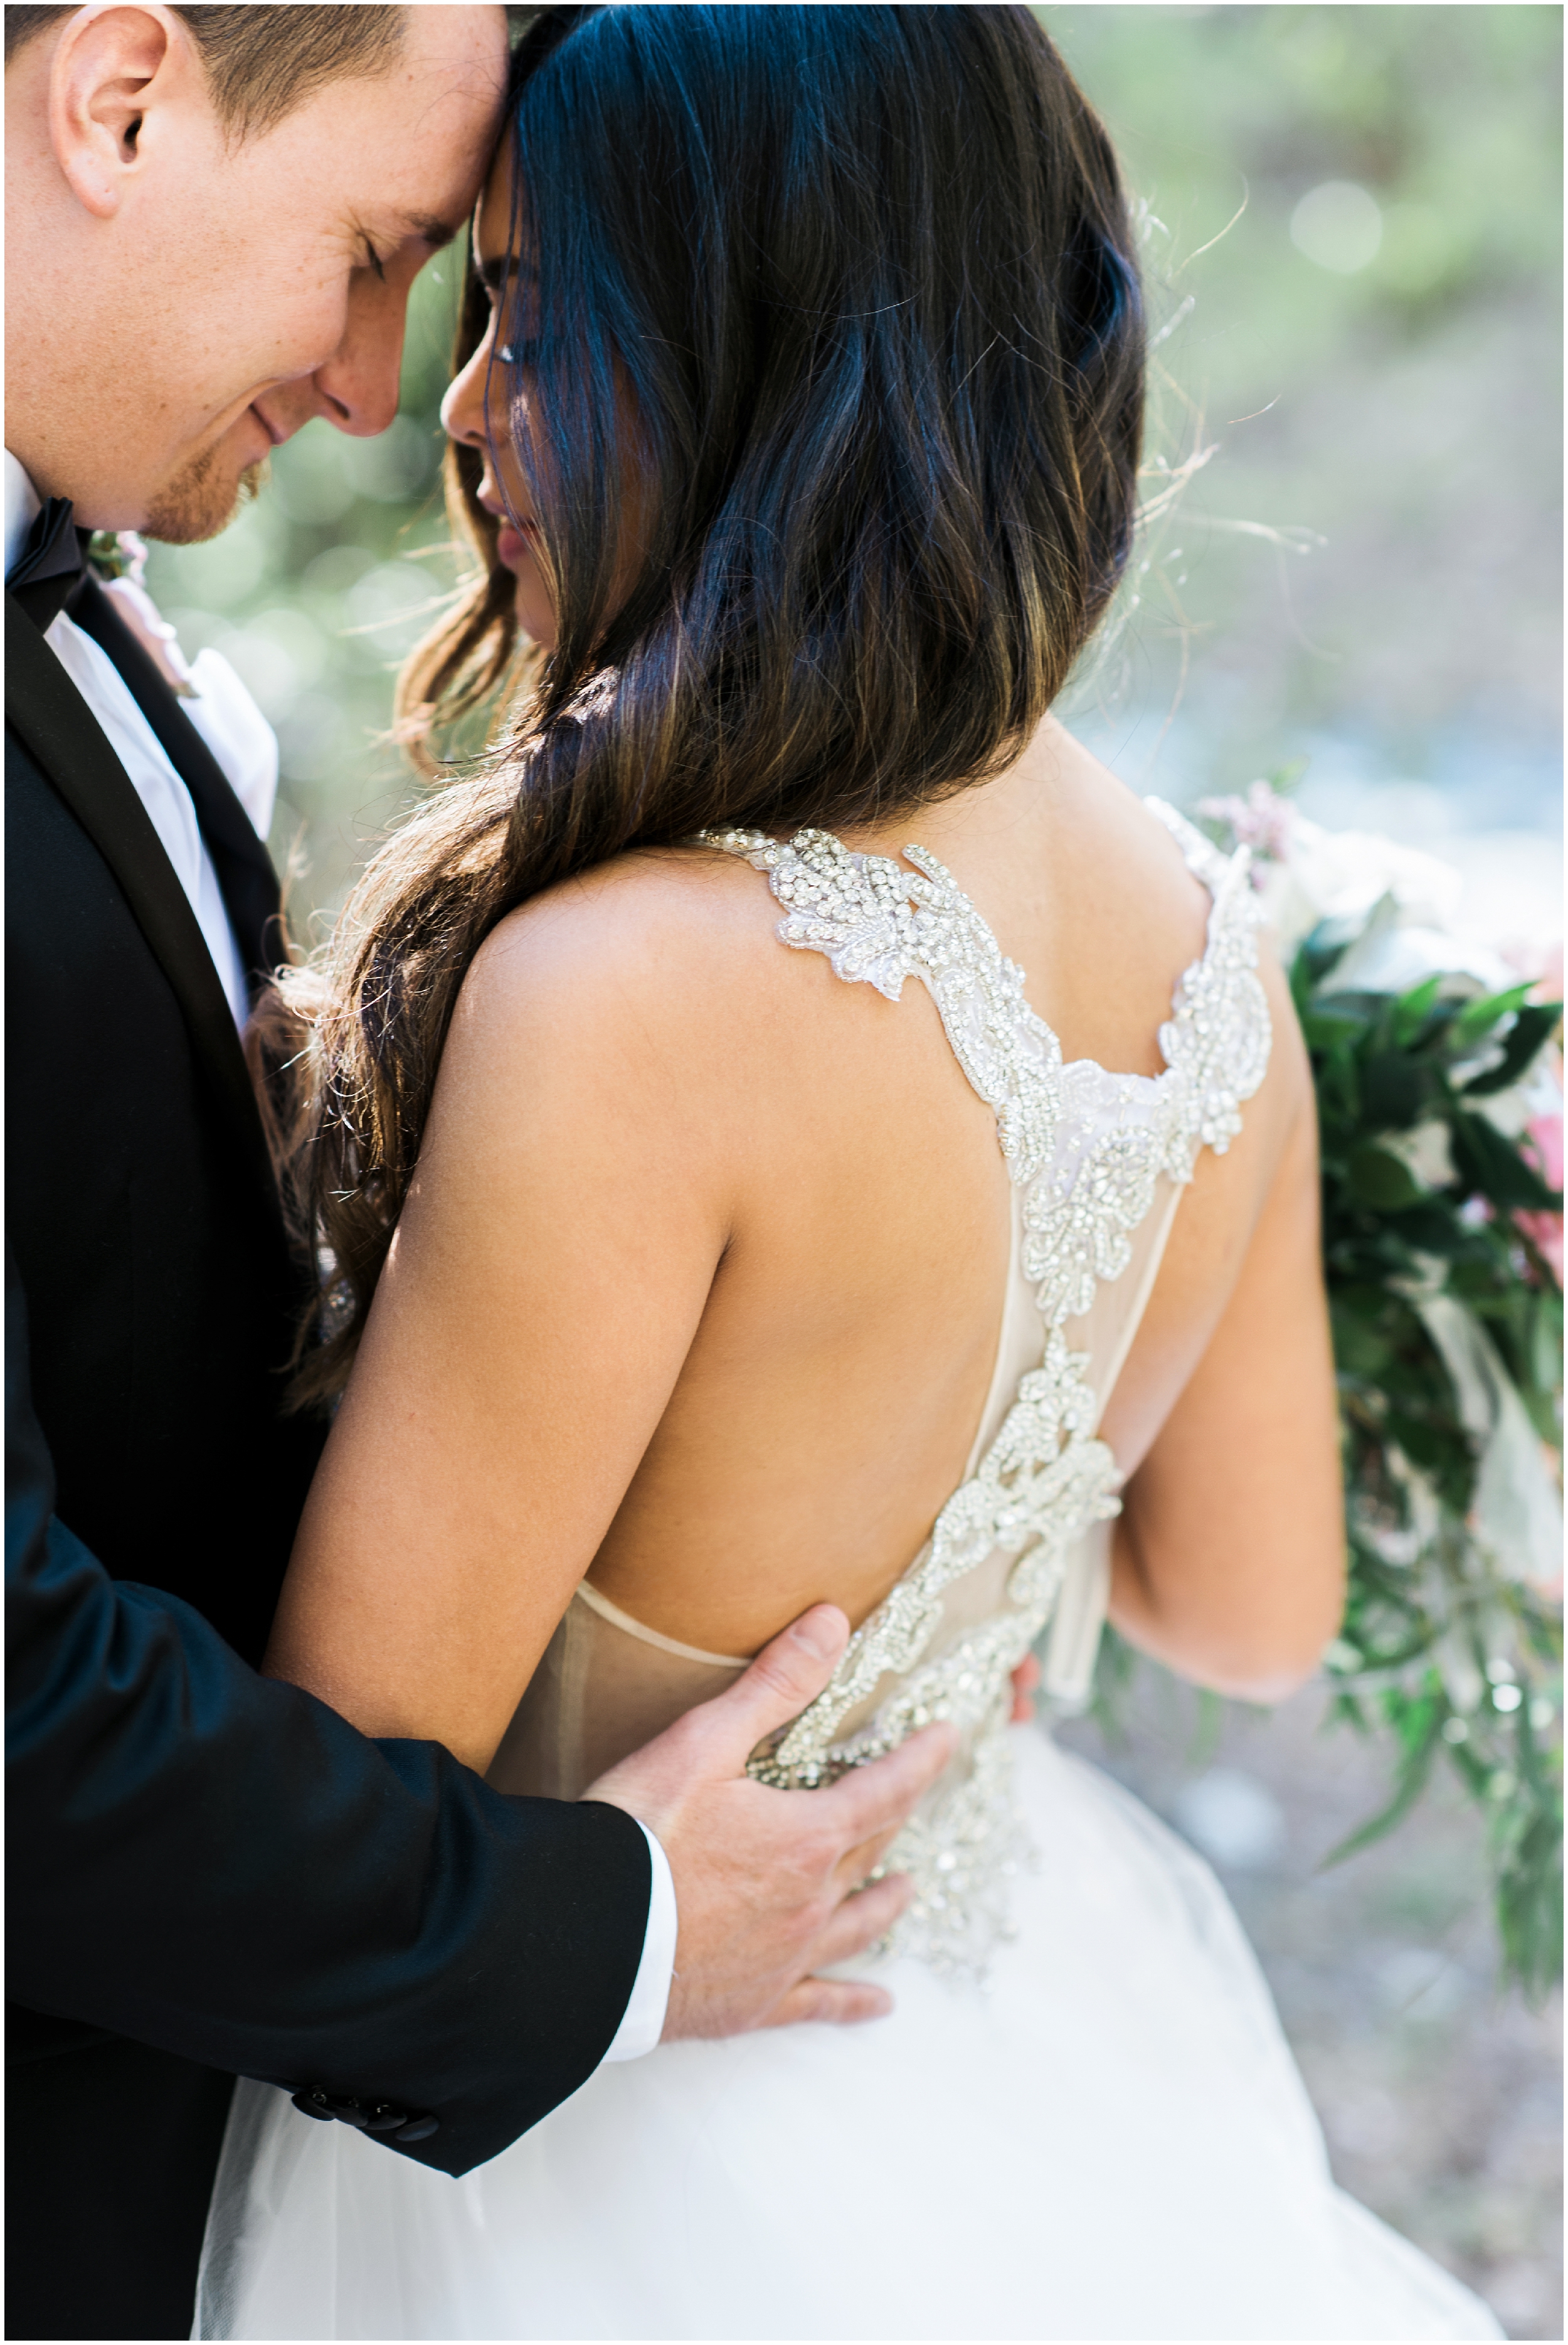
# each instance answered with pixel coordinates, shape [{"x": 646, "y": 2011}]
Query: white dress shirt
[
  {"x": 224, "y": 714},
  {"x": 244, "y": 746}
]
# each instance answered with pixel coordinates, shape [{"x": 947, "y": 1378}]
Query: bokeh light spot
[{"x": 1339, "y": 226}]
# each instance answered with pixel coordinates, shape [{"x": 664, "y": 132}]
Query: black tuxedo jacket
[{"x": 207, "y": 1864}]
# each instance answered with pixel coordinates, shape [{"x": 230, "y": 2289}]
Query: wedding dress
[{"x": 1081, "y": 2119}]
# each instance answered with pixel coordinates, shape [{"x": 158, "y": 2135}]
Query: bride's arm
[
  {"x": 1229, "y": 1558},
  {"x": 545, "y": 1281}
]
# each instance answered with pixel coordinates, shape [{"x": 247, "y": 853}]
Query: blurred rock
[{"x": 1232, "y": 1818}]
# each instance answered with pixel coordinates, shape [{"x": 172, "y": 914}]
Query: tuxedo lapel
[
  {"x": 55, "y": 724},
  {"x": 244, "y": 868}
]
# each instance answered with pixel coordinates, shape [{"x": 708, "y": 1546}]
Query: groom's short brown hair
[{"x": 262, "y": 62}]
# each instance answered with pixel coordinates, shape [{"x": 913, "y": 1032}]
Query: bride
[{"x": 797, "y": 1129}]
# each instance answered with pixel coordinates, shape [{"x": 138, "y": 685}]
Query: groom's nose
[{"x": 356, "y": 389}]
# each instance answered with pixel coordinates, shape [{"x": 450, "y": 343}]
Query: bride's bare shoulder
[
  {"x": 662, "y": 932},
  {"x": 1105, "y": 842},
  {"x": 1124, "y": 916},
  {"x": 652, "y": 982}
]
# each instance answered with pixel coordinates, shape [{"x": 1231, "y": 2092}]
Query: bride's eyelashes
[
  {"x": 516, "y": 347},
  {"x": 509, "y": 286}
]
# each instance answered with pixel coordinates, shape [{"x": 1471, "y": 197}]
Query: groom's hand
[{"x": 767, "y": 1882}]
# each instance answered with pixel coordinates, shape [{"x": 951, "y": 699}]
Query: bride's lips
[{"x": 514, "y": 544}]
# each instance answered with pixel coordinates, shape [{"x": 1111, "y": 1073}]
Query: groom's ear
[{"x": 112, "y": 67}]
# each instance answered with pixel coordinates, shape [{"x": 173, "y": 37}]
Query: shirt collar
[{"x": 23, "y": 504}]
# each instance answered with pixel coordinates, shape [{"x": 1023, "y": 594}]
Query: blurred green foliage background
[
  {"x": 1373, "y": 352},
  {"x": 1353, "y": 248}
]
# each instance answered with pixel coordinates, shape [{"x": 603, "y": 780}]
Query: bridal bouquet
[{"x": 1437, "y": 1071}]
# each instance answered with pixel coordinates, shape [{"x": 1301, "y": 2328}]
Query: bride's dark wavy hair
[{"x": 850, "y": 295}]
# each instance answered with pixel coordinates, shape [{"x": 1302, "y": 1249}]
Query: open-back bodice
[{"x": 1097, "y": 1162}]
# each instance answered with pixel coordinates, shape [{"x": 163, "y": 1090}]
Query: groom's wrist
[{"x": 642, "y": 2021}]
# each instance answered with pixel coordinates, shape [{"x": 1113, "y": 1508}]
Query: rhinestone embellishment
[{"x": 1087, "y": 1148}]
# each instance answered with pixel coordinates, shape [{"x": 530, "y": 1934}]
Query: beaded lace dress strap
[
  {"x": 1086, "y": 1150},
  {"x": 879, "y": 924}
]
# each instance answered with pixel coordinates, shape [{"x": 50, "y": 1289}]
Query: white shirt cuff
[{"x": 642, "y": 2021}]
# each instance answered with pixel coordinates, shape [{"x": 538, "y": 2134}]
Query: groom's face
[{"x": 230, "y": 290}]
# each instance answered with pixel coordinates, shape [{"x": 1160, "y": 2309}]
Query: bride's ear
[{"x": 111, "y": 67}]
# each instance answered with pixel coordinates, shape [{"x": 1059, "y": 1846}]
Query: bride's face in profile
[{"x": 475, "y": 410}]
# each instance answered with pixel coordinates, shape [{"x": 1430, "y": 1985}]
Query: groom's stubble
[{"x": 201, "y": 500}]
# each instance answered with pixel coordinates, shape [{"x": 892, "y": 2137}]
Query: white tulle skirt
[{"x": 1111, "y": 2141}]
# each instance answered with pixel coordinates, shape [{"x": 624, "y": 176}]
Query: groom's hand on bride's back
[{"x": 767, "y": 1882}]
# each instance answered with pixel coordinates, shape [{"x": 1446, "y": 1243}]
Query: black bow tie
[{"x": 52, "y": 563}]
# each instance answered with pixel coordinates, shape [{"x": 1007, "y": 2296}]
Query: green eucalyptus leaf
[
  {"x": 1325, "y": 1028},
  {"x": 1533, "y": 1030},
  {"x": 1433, "y": 1227},
  {"x": 1395, "y": 1088},
  {"x": 1478, "y": 1017},
  {"x": 1358, "y": 1350},
  {"x": 1412, "y": 1010},
  {"x": 1496, "y": 1171},
  {"x": 1364, "y": 1009},
  {"x": 1546, "y": 1339},
  {"x": 1382, "y": 1180},
  {"x": 1418, "y": 1726},
  {"x": 1530, "y": 1899}
]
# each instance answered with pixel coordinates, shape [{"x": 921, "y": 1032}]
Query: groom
[{"x": 214, "y": 218}]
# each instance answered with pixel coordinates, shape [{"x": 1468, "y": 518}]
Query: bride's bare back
[{"x": 697, "y": 1291}]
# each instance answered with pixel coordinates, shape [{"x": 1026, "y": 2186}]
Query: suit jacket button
[
  {"x": 386, "y": 2118},
  {"x": 347, "y": 2110},
  {"x": 313, "y": 2105},
  {"x": 418, "y": 2129}
]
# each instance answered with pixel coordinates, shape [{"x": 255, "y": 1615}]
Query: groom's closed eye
[{"x": 405, "y": 228}]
